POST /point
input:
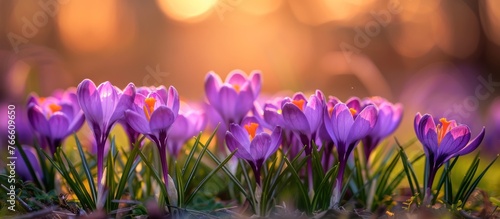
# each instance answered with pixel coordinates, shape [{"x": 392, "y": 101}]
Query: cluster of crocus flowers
[
  {"x": 441, "y": 142},
  {"x": 55, "y": 117},
  {"x": 253, "y": 130}
]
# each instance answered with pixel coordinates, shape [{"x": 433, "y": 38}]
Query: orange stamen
[
  {"x": 41, "y": 99},
  {"x": 353, "y": 111},
  {"x": 299, "y": 103},
  {"x": 330, "y": 111},
  {"x": 237, "y": 88},
  {"x": 54, "y": 107},
  {"x": 149, "y": 107},
  {"x": 442, "y": 129},
  {"x": 251, "y": 129}
]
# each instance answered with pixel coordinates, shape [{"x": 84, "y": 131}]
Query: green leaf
[
  {"x": 180, "y": 185},
  {"x": 476, "y": 182},
  {"x": 410, "y": 173},
  {"x": 191, "y": 154},
  {"x": 30, "y": 167},
  {"x": 229, "y": 174},
  {"x": 198, "y": 160},
  {"x": 86, "y": 169},
  {"x": 302, "y": 188},
  {"x": 127, "y": 171},
  {"x": 156, "y": 177},
  {"x": 190, "y": 198}
]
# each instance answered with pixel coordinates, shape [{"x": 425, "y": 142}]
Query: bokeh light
[{"x": 186, "y": 10}]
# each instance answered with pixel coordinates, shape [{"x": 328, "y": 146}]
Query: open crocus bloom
[
  {"x": 443, "y": 141},
  {"x": 234, "y": 98},
  {"x": 252, "y": 143},
  {"x": 152, "y": 115},
  {"x": 55, "y": 117},
  {"x": 103, "y": 106}
]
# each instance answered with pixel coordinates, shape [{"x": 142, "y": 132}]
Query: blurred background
[{"x": 436, "y": 56}]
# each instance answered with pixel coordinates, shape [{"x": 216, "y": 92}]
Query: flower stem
[
  {"x": 164, "y": 164},
  {"x": 337, "y": 191}
]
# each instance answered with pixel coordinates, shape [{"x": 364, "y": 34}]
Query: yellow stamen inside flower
[
  {"x": 251, "y": 129},
  {"x": 353, "y": 111},
  {"x": 442, "y": 129},
  {"x": 279, "y": 111},
  {"x": 299, "y": 103},
  {"x": 149, "y": 107},
  {"x": 237, "y": 88},
  {"x": 54, "y": 107}
]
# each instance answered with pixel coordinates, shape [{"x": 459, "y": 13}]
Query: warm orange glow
[
  {"x": 89, "y": 25},
  {"x": 54, "y": 107},
  {"x": 252, "y": 129},
  {"x": 186, "y": 9},
  {"x": 299, "y": 104},
  {"x": 490, "y": 16},
  {"x": 260, "y": 7}
]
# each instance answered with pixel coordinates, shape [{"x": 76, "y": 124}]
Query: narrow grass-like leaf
[
  {"x": 229, "y": 174},
  {"x": 302, "y": 189},
  {"x": 30, "y": 167},
  {"x": 476, "y": 182},
  {"x": 180, "y": 185},
  {"x": 205, "y": 180},
  {"x": 324, "y": 189},
  {"x": 127, "y": 172},
  {"x": 191, "y": 154},
  {"x": 86, "y": 169},
  {"x": 469, "y": 175},
  {"x": 198, "y": 160},
  {"x": 156, "y": 176}
]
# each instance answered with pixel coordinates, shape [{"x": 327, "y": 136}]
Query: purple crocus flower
[
  {"x": 152, "y": 115},
  {"x": 55, "y": 117},
  {"x": 388, "y": 119},
  {"x": 189, "y": 123},
  {"x": 103, "y": 106},
  {"x": 347, "y": 126},
  {"x": 442, "y": 142},
  {"x": 234, "y": 98},
  {"x": 252, "y": 143},
  {"x": 303, "y": 116}
]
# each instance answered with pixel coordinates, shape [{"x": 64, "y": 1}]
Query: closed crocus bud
[
  {"x": 189, "y": 123},
  {"x": 103, "y": 106},
  {"x": 55, "y": 117},
  {"x": 347, "y": 124},
  {"x": 388, "y": 119},
  {"x": 233, "y": 98}
]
